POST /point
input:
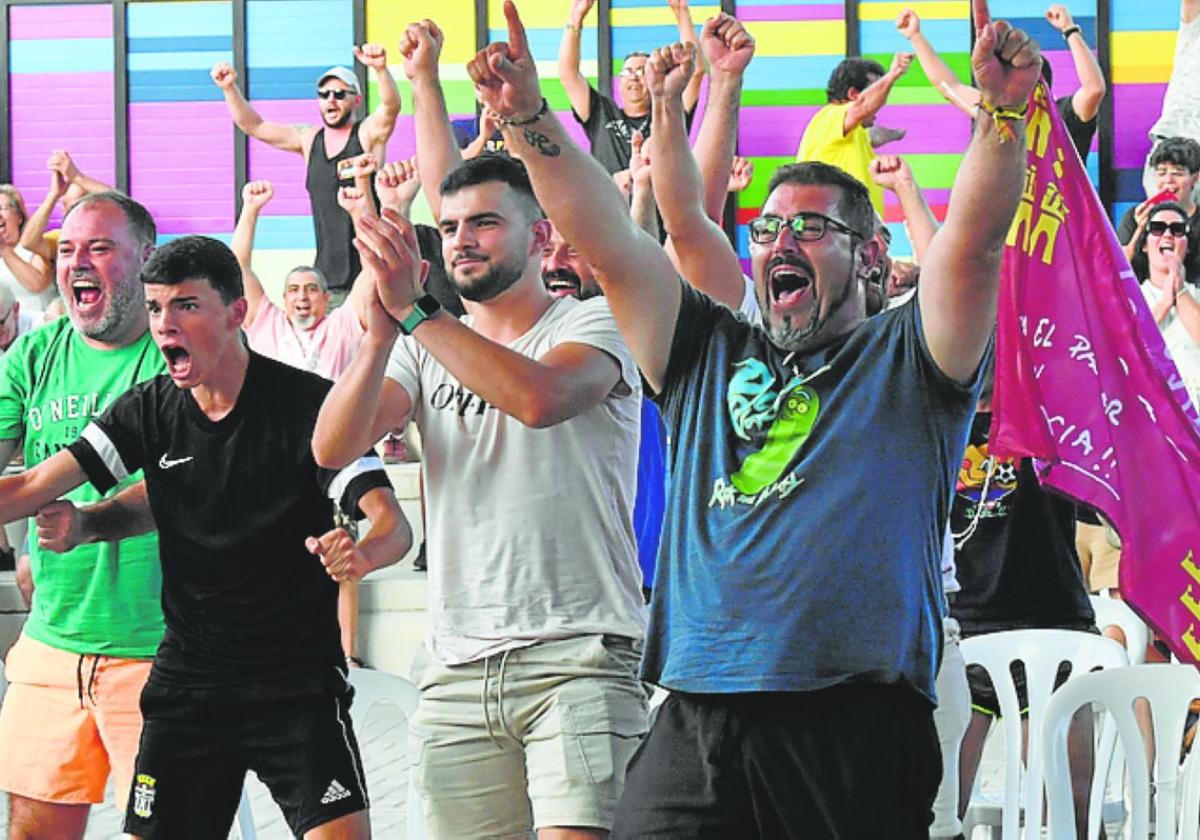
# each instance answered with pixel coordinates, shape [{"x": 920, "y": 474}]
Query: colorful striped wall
[
  {"x": 289, "y": 44},
  {"x": 180, "y": 134},
  {"x": 181, "y": 141},
  {"x": 799, "y": 42},
  {"x": 937, "y": 132},
  {"x": 544, "y": 21},
  {"x": 1143, "y": 48},
  {"x": 61, "y": 87}
]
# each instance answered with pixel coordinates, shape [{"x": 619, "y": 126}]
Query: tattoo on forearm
[{"x": 542, "y": 143}]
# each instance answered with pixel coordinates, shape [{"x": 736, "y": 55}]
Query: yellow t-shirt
[{"x": 823, "y": 140}]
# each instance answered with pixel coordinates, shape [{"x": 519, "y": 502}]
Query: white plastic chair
[
  {"x": 372, "y": 688},
  {"x": 1110, "y": 612},
  {"x": 245, "y": 818},
  {"x": 1168, "y": 689},
  {"x": 1041, "y": 651}
]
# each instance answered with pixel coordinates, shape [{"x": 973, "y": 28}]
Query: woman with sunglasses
[{"x": 1163, "y": 264}]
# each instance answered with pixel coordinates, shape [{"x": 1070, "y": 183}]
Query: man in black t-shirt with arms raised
[
  {"x": 610, "y": 127},
  {"x": 250, "y": 674}
]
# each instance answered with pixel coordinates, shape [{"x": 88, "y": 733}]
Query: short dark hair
[
  {"x": 196, "y": 258},
  {"x": 141, "y": 223},
  {"x": 1181, "y": 151},
  {"x": 1140, "y": 263},
  {"x": 851, "y": 73},
  {"x": 855, "y": 204},
  {"x": 488, "y": 168},
  {"x": 635, "y": 54},
  {"x": 310, "y": 269}
]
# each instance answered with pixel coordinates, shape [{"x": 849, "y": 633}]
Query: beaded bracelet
[
  {"x": 541, "y": 112},
  {"x": 1003, "y": 117}
]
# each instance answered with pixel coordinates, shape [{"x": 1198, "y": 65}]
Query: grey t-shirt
[{"x": 530, "y": 531}]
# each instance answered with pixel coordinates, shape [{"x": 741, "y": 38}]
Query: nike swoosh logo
[{"x": 165, "y": 463}]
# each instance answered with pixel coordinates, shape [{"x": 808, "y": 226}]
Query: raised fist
[
  {"x": 397, "y": 184},
  {"x": 669, "y": 69},
  {"x": 224, "y": 75},
  {"x": 726, "y": 44},
  {"x": 257, "y": 193},
  {"x": 890, "y": 172},
  {"x": 1060, "y": 17},
  {"x": 421, "y": 46},
  {"x": 371, "y": 55},
  {"x": 908, "y": 23},
  {"x": 900, "y": 63}
]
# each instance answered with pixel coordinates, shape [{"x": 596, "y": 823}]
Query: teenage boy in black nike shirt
[{"x": 250, "y": 674}]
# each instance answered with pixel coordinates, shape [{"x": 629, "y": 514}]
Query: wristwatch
[{"x": 424, "y": 308}]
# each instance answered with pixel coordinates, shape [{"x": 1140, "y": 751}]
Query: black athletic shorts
[
  {"x": 197, "y": 746},
  {"x": 983, "y": 692},
  {"x": 852, "y": 761}
]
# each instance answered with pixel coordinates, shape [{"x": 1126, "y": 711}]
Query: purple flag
[{"x": 1084, "y": 384}]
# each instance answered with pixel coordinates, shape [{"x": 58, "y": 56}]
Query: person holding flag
[{"x": 1085, "y": 385}]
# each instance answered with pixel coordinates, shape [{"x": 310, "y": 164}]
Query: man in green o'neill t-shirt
[{"x": 71, "y": 714}]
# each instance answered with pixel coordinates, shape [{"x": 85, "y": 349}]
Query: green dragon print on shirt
[{"x": 788, "y": 415}]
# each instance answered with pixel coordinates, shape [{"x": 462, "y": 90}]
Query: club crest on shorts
[{"x": 143, "y": 795}]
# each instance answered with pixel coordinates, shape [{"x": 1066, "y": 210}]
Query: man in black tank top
[{"x": 325, "y": 147}]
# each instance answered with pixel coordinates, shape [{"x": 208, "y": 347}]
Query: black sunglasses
[
  {"x": 1158, "y": 228},
  {"x": 339, "y": 95}
]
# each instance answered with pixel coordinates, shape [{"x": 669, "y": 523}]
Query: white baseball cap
[{"x": 344, "y": 74}]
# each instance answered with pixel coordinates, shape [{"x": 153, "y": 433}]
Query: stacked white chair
[
  {"x": 1115, "y": 612},
  {"x": 371, "y": 688},
  {"x": 1168, "y": 689},
  {"x": 1041, "y": 652}
]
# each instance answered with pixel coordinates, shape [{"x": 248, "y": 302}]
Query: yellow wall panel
[
  {"x": 387, "y": 20},
  {"x": 931, "y": 10},
  {"x": 798, "y": 37}
]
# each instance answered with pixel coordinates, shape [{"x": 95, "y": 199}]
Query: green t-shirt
[{"x": 97, "y": 599}]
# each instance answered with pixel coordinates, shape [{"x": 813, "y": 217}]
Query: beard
[
  {"x": 337, "y": 122},
  {"x": 123, "y": 305},
  {"x": 497, "y": 280},
  {"x": 793, "y": 336}
]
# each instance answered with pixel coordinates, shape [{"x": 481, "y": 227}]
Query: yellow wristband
[{"x": 1003, "y": 117}]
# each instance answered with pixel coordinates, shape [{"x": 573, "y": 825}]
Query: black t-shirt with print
[
  {"x": 1017, "y": 563},
  {"x": 610, "y": 130},
  {"x": 234, "y": 500}
]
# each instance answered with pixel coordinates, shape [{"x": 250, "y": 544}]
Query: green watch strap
[{"x": 424, "y": 308}]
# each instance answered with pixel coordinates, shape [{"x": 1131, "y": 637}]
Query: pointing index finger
[
  {"x": 980, "y": 13},
  {"x": 518, "y": 46}
]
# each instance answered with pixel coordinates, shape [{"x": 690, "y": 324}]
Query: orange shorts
[{"x": 67, "y": 720}]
